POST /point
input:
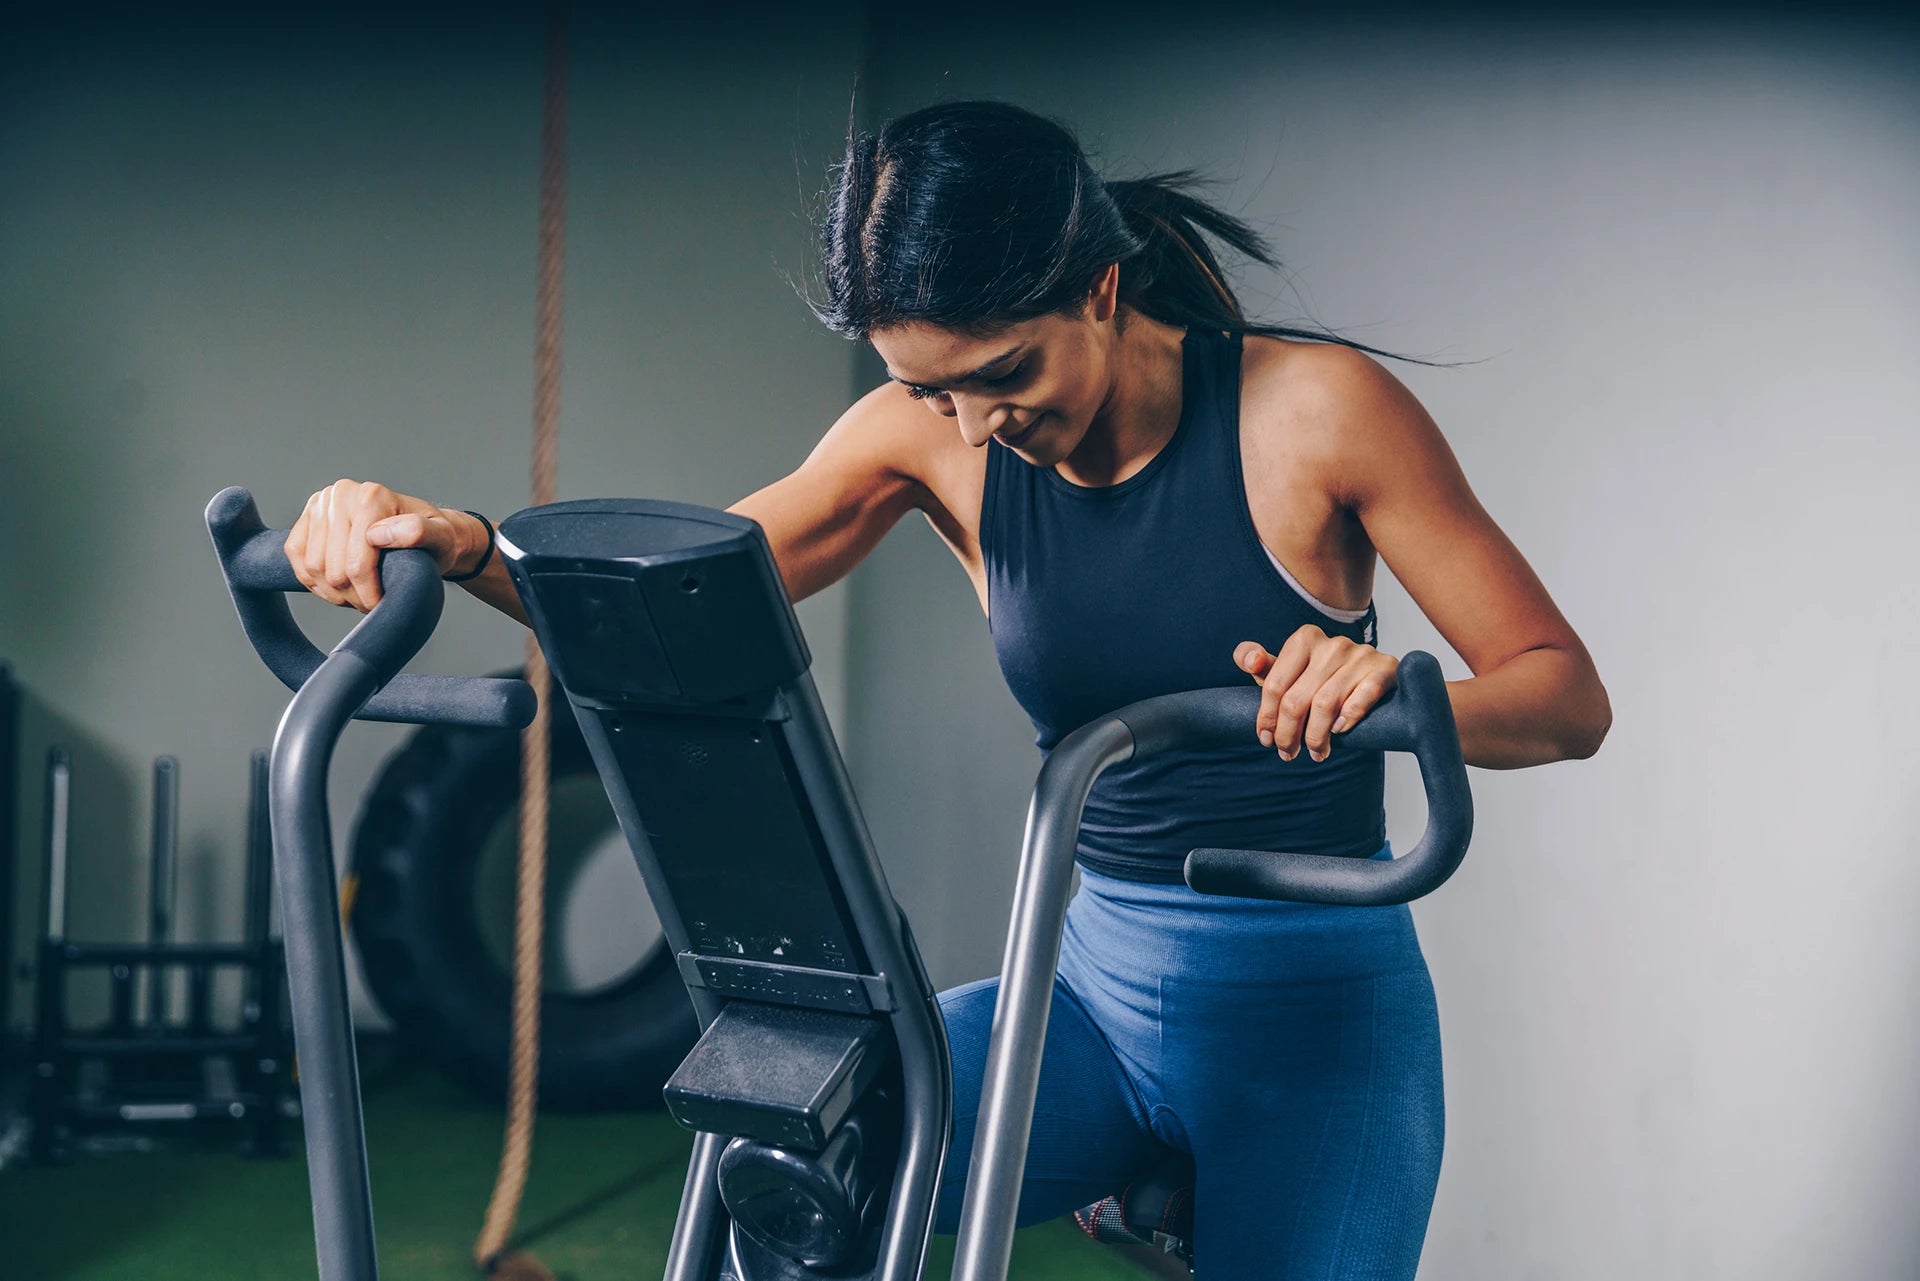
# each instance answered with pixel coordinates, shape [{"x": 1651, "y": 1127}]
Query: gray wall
[
  {"x": 304, "y": 249},
  {"x": 1679, "y": 990}
]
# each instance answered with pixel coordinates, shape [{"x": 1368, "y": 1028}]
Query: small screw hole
[{"x": 690, "y": 584}]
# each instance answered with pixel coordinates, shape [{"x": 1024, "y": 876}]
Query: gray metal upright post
[
  {"x": 985, "y": 1243},
  {"x": 57, "y": 826},
  {"x": 316, "y": 968}
]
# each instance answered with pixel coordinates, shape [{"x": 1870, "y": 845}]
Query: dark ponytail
[
  {"x": 1175, "y": 277},
  {"x": 978, "y": 215}
]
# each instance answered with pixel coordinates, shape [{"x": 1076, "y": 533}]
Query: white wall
[
  {"x": 300, "y": 246},
  {"x": 1679, "y": 990}
]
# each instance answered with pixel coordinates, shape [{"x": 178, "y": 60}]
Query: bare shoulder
[
  {"x": 898, "y": 442},
  {"x": 924, "y": 445},
  {"x": 1329, "y": 411},
  {"x": 876, "y": 434},
  {"x": 870, "y": 468}
]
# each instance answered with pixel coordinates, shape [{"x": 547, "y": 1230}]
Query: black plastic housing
[
  {"x": 656, "y": 602},
  {"x": 778, "y": 1074},
  {"x": 669, "y": 629}
]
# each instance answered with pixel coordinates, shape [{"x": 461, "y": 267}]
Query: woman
[{"x": 1150, "y": 494}]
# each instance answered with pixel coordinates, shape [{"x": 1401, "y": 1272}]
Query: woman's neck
[{"x": 1142, "y": 408}]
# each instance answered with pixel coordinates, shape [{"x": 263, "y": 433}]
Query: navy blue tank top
[{"x": 1100, "y": 597}]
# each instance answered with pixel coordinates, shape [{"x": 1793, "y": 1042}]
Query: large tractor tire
[{"x": 433, "y": 855}]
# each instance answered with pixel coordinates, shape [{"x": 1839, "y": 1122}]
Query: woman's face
[{"x": 1036, "y": 385}]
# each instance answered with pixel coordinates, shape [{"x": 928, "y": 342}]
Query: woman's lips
[{"x": 1014, "y": 442}]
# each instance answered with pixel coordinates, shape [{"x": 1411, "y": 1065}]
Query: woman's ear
[{"x": 1103, "y": 297}]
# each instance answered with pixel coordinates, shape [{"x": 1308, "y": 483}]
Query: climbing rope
[{"x": 490, "y": 1252}]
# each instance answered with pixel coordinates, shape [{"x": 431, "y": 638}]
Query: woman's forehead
[{"x": 920, "y": 352}]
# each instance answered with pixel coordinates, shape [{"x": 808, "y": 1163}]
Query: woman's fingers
[
  {"x": 1300, "y": 703},
  {"x": 335, "y": 546},
  {"x": 310, "y": 562},
  {"x": 1348, "y": 694},
  {"x": 405, "y": 530},
  {"x": 1315, "y": 687},
  {"x": 436, "y": 530},
  {"x": 296, "y": 547},
  {"x": 1282, "y": 705},
  {"x": 339, "y": 510},
  {"x": 369, "y": 505}
]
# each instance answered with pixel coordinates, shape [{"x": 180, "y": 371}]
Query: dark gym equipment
[
  {"x": 1156, "y": 1209},
  {"x": 358, "y": 679},
  {"x": 435, "y": 807},
  {"x": 9, "y": 823},
  {"x": 820, "y": 1087},
  {"x": 143, "y": 1066}
]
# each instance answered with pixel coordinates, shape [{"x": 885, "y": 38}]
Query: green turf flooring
[{"x": 599, "y": 1207}]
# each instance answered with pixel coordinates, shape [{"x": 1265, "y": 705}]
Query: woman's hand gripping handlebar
[
  {"x": 259, "y": 576},
  {"x": 1416, "y": 717}
]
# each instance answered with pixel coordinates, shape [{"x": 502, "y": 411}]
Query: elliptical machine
[{"x": 820, "y": 1089}]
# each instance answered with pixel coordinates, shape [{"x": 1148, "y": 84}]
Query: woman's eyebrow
[{"x": 981, "y": 372}]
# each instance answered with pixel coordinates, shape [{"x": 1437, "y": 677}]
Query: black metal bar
[
  {"x": 156, "y": 1069},
  {"x": 200, "y": 999},
  {"x": 259, "y": 854},
  {"x": 269, "y": 1067},
  {"x": 9, "y": 852},
  {"x": 121, "y": 1018},
  {"x": 184, "y": 955},
  {"x": 162, "y": 876},
  {"x": 95, "y": 1112},
  {"x": 51, "y": 1066},
  {"x": 103, "y": 1043}
]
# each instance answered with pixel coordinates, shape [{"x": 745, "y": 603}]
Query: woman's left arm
[{"x": 1534, "y": 696}]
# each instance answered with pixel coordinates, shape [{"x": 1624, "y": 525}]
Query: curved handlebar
[
  {"x": 1416, "y": 717},
  {"x": 254, "y": 560}
]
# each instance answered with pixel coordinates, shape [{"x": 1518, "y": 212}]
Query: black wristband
[{"x": 485, "y": 556}]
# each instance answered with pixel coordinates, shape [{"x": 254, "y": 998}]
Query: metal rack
[{"x": 146, "y": 1064}]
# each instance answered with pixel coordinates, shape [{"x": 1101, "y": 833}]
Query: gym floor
[{"x": 600, "y": 1201}]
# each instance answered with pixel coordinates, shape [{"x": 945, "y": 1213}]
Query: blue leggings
[{"x": 1294, "y": 1050}]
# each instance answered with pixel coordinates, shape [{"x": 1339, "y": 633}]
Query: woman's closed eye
[{"x": 919, "y": 392}]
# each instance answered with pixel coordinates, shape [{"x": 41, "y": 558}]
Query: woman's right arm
[
  {"x": 820, "y": 520},
  {"x": 823, "y": 518}
]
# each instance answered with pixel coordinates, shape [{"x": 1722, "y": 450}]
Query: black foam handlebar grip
[
  {"x": 259, "y": 576},
  {"x": 1416, "y": 718}
]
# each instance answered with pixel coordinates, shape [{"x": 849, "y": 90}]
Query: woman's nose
[{"x": 979, "y": 426}]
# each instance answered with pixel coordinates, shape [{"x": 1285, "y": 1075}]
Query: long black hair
[{"x": 978, "y": 215}]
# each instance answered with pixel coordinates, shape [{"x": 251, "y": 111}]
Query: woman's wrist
[{"x": 474, "y": 559}]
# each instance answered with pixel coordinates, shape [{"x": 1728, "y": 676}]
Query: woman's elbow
[{"x": 1589, "y": 729}]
